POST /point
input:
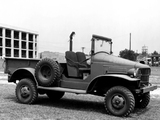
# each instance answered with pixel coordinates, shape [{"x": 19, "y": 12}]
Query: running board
[{"x": 63, "y": 89}]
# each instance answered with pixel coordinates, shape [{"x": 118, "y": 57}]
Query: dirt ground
[{"x": 155, "y": 75}]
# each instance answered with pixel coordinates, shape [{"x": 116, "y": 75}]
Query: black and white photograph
[{"x": 79, "y": 60}]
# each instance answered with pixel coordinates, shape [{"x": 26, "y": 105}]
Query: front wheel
[
  {"x": 119, "y": 101},
  {"x": 26, "y": 91}
]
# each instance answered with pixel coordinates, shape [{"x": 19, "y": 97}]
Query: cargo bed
[{"x": 12, "y": 64}]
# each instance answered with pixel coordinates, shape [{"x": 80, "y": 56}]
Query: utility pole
[{"x": 130, "y": 41}]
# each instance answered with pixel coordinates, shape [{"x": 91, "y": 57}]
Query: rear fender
[
  {"x": 110, "y": 80},
  {"x": 22, "y": 73}
]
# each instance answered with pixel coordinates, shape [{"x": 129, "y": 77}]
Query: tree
[
  {"x": 155, "y": 53},
  {"x": 128, "y": 54}
]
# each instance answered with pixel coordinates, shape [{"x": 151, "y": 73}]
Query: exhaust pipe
[{"x": 70, "y": 41}]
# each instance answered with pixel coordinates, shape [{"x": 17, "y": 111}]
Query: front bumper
[
  {"x": 146, "y": 89},
  {"x": 149, "y": 88}
]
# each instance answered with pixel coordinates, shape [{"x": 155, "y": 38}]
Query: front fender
[
  {"x": 22, "y": 73},
  {"x": 110, "y": 80}
]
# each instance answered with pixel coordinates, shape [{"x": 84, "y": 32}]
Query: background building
[{"x": 15, "y": 42}]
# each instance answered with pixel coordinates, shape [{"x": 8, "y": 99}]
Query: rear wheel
[
  {"x": 55, "y": 95},
  {"x": 26, "y": 91},
  {"x": 119, "y": 101},
  {"x": 47, "y": 72}
]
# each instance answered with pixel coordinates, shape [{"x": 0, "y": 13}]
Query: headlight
[{"x": 134, "y": 73}]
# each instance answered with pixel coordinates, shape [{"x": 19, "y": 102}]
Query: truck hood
[{"x": 114, "y": 61}]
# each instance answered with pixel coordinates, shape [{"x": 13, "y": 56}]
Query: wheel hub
[
  {"x": 46, "y": 71},
  {"x": 118, "y": 102},
  {"x": 25, "y": 92}
]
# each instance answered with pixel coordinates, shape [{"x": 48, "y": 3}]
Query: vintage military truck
[{"x": 124, "y": 84}]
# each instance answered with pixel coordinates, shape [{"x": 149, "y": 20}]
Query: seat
[
  {"x": 81, "y": 58},
  {"x": 74, "y": 67},
  {"x": 83, "y": 66},
  {"x": 72, "y": 63}
]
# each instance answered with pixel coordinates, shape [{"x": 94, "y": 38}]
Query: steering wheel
[{"x": 100, "y": 52}]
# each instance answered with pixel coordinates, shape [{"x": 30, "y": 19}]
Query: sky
[{"x": 54, "y": 20}]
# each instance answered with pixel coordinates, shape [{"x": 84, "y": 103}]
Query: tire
[
  {"x": 119, "y": 101},
  {"x": 55, "y": 95},
  {"x": 47, "y": 72},
  {"x": 143, "y": 100},
  {"x": 26, "y": 91}
]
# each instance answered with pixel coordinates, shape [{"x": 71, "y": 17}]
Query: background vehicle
[{"x": 124, "y": 84}]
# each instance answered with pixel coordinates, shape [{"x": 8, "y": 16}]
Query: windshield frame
[{"x": 103, "y": 40}]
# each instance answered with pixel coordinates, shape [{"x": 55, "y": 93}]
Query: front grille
[{"x": 145, "y": 72}]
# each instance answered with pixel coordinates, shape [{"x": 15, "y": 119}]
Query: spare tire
[{"x": 47, "y": 72}]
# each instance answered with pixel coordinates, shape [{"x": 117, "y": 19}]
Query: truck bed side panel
[{"x": 12, "y": 64}]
